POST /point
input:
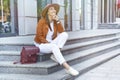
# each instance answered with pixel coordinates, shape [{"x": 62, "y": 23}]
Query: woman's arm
[
  {"x": 39, "y": 32},
  {"x": 60, "y": 27}
]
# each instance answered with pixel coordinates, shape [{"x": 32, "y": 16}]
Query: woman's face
[{"x": 51, "y": 11}]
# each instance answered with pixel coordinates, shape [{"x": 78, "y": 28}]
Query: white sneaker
[
  {"x": 53, "y": 58},
  {"x": 72, "y": 71}
]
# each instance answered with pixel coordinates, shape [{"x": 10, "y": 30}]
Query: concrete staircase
[
  {"x": 84, "y": 51},
  {"x": 109, "y": 26}
]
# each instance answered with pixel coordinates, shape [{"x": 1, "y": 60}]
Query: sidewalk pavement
[{"x": 107, "y": 71}]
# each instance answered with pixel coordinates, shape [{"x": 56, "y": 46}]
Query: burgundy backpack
[{"x": 29, "y": 54}]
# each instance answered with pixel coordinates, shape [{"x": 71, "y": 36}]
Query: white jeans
[{"x": 54, "y": 47}]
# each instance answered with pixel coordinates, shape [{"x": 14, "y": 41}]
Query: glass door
[
  {"x": 8, "y": 18},
  {"x": 117, "y": 9},
  {"x": 40, "y": 5},
  {"x": 71, "y": 10},
  {"x": 67, "y": 15}
]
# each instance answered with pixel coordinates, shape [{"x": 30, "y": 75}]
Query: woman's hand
[{"x": 55, "y": 17}]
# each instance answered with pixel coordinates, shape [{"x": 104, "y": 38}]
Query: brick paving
[{"x": 107, "y": 71}]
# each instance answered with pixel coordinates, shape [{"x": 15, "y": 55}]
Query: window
[
  {"x": 67, "y": 15},
  {"x": 106, "y": 11},
  {"x": 73, "y": 15},
  {"x": 40, "y": 5},
  {"x": 103, "y": 13},
  {"x": 5, "y": 16},
  {"x": 8, "y": 17},
  {"x": 118, "y": 8}
]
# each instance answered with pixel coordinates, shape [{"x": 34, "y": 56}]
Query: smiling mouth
[{"x": 53, "y": 13}]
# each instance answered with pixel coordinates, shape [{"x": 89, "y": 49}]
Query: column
[
  {"x": 87, "y": 14},
  {"x": 95, "y": 14},
  {"x": 21, "y": 19},
  {"x": 76, "y": 14},
  {"x": 27, "y": 16}
]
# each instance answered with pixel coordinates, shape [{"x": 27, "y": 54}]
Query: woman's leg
[
  {"x": 52, "y": 48},
  {"x": 58, "y": 55},
  {"x": 61, "y": 39}
]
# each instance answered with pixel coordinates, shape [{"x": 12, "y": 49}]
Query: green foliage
[
  {"x": 40, "y": 5},
  {"x": 66, "y": 5},
  {"x": 5, "y": 6}
]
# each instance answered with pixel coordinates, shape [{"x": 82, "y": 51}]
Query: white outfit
[
  {"x": 54, "y": 45},
  {"x": 50, "y": 33}
]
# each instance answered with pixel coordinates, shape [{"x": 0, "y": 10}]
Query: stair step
[
  {"x": 92, "y": 33},
  {"x": 49, "y": 66},
  {"x": 25, "y": 40},
  {"x": 90, "y": 38},
  {"x": 61, "y": 75},
  {"x": 15, "y": 55},
  {"x": 9, "y": 55},
  {"x": 93, "y": 63},
  {"x": 89, "y": 43},
  {"x": 70, "y": 41},
  {"x": 86, "y": 54}
]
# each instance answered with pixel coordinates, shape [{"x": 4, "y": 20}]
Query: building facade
[{"x": 20, "y": 17}]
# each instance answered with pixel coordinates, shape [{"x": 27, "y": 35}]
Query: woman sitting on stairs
[{"x": 47, "y": 38}]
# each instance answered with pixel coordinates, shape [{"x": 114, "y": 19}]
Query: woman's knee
[
  {"x": 54, "y": 46},
  {"x": 65, "y": 34}
]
